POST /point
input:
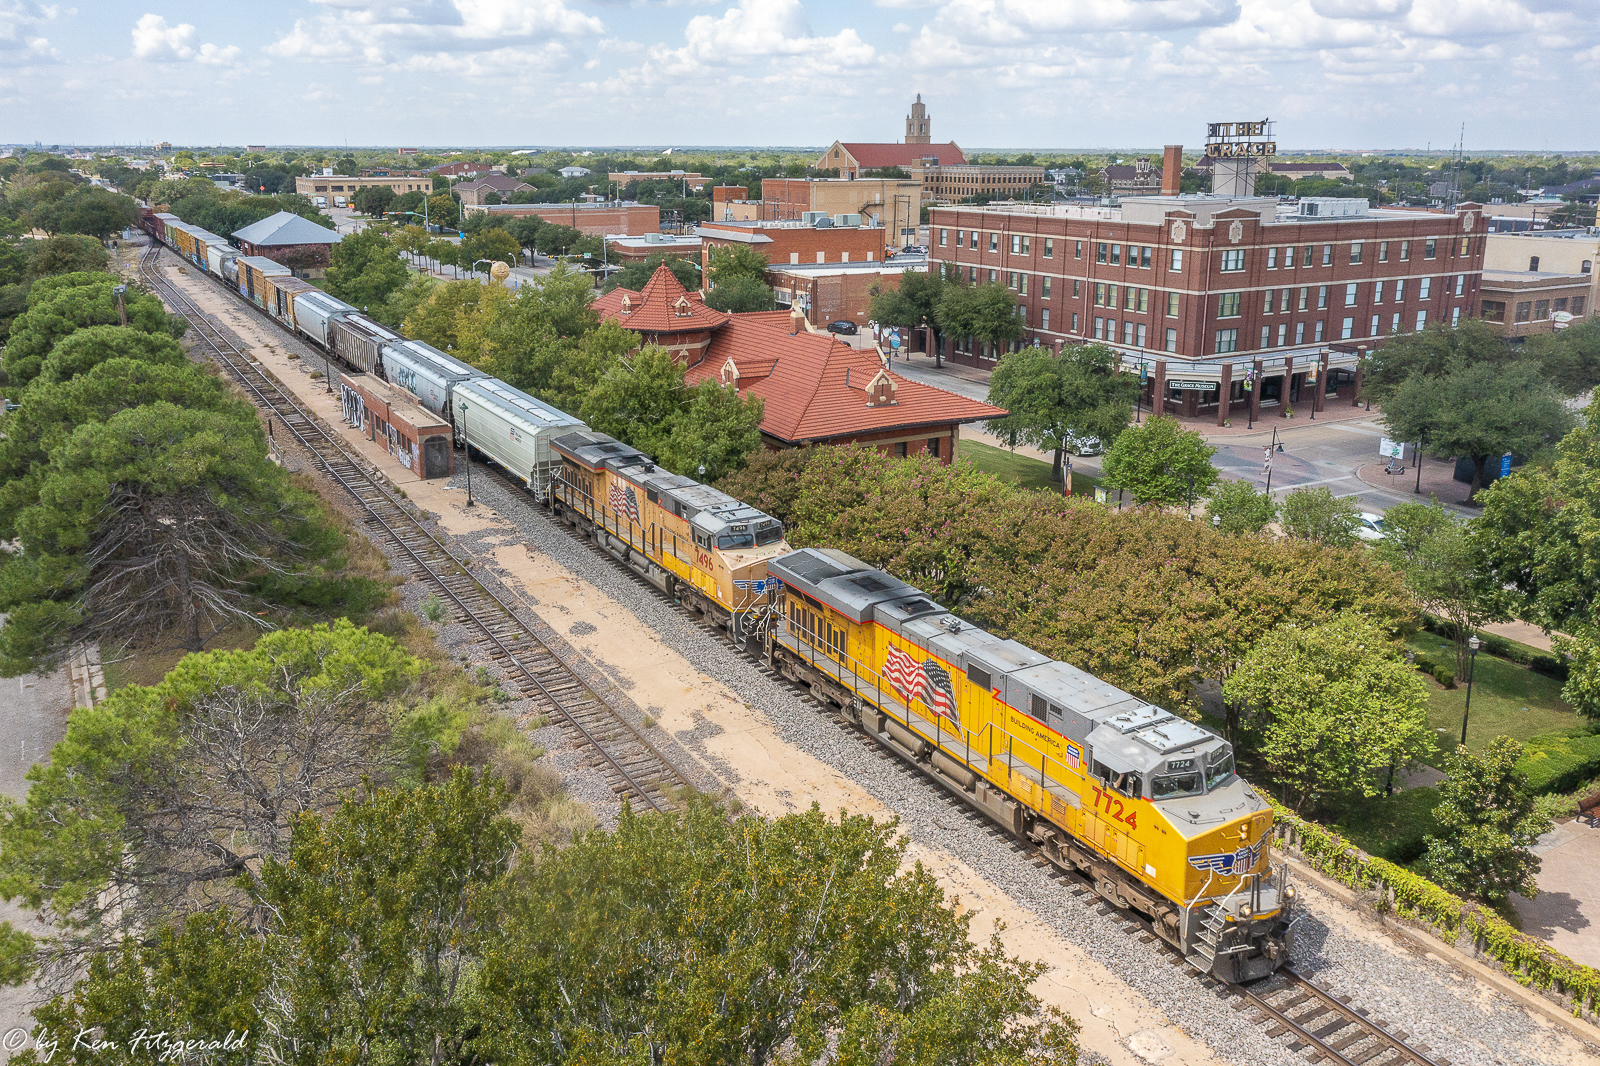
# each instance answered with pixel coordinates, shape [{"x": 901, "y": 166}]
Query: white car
[
  {"x": 1370, "y": 526},
  {"x": 1084, "y": 445}
]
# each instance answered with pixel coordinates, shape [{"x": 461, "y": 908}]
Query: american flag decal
[
  {"x": 623, "y": 500},
  {"x": 926, "y": 682}
]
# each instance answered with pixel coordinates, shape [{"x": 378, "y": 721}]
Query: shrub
[
  {"x": 1561, "y": 761},
  {"x": 433, "y": 608},
  {"x": 1445, "y": 676},
  {"x": 1550, "y": 666}
]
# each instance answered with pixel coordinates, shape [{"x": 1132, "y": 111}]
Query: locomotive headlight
[
  {"x": 1245, "y": 911},
  {"x": 1289, "y": 892}
]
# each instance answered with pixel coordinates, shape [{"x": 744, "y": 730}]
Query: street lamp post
[
  {"x": 466, "y": 442},
  {"x": 1138, "y": 399},
  {"x": 1472, "y": 668}
]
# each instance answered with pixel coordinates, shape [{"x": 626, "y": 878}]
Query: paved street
[
  {"x": 33, "y": 716},
  {"x": 1323, "y": 452}
]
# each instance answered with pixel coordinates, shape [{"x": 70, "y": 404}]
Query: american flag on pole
[
  {"x": 912, "y": 681},
  {"x": 624, "y": 501}
]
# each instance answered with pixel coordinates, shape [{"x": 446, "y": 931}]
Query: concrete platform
[{"x": 1566, "y": 913}]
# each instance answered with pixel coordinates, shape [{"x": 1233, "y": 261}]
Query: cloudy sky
[{"x": 994, "y": 73}]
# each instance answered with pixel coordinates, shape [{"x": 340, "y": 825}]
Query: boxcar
[
  {"x": 282, "y": 292},
  {"x": 359, "y": 341},
  {"x": 512, "y": 428},
  {"x": 426, "y": 373},
  {"x": 253, "y": 272}
]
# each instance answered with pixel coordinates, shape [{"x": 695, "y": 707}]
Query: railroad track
[
  {"x": 632, "y": 766},
  {"x": 1320, "y": 1026}
]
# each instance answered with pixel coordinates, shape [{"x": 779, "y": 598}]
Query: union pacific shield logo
[{"x": 1227, "y": 863}]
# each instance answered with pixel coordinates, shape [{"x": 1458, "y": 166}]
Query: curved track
[{"x": 631, "y": 764}]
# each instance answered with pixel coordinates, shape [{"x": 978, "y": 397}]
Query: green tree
[
  {"x": 1334, "y": 706},
  {"x": 560, "y": 371},
  {"x": 742, "y": 293},
  {"x": 634, "y": 276},
  {"x": 912, "y": 303},
  {"x": 715, "y": 432},
  {"x": 152, "y": 526},
  {"x": 1570, "y": 359},
  {"x": 986, "y": 313},
  {"x": 1316, "y": 514},
  {"x": 89, "y": 210},
  {"x": 736, "y": 261},
  {"x": 638, "y": 399},
  {"x": 1432, "y": 352},
  {"x": 66, "y": 254},
  {"x": 364, "y": 269},
  {"x": 1051, "y": 400},
  {"x": 1445, "y": 568},
  {"x": 83, "y": 350},
  {"x": 61, "y": 305},
  {"x": 1235, "y": 507},
  {"x": 492, "y": 244},
  {"x": 374, "y": 200},
  {"x": 1480, "y": 411},
  {"x": 1161, "y": 462},
  {"x": 443, "y": 210},
  {"x": 1488, "y": 825}
]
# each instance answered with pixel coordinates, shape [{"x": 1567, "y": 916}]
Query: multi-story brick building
[
  {"x": 893, "y": 203},
  {"x": 609, "y": 217},
  {"x": 794, "y": 242},
  {"x": 1217, "y": 297},
  {"x": 340, "y": 187},
  {"x": 1550, "y": 251}
]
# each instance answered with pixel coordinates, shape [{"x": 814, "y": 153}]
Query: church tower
[{"x": 917, "y": 124}]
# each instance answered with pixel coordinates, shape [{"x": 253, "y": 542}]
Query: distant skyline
[{"x": 1028, "y": 74}]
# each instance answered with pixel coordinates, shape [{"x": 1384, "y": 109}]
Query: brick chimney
[{"x": 1171, "y": 170}]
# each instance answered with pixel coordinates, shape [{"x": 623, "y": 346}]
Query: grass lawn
[
  {"x": 1506, "y": 699},
  {"x": 1390, "y": 827},
  {"x": 1023, "y": 470}
]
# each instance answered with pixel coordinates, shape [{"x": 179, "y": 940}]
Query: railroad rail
[{"x": 631, "y": 765}]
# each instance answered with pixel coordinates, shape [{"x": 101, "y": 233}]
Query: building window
[
  {"x": 1377, "y": 292},
  {"x": 1288, "y": 258},
  {"x": 1305, "y": 258},
  {"x": 1383, "y": 251},
  {"x": 1228, "y": 305},
  {"x": 1022, "y": 313},
  {"x": 1350, "y": 295},
  {"x": 1347, "y": 330},
  {"x": 1355, "y": 252},
  {"x": 1140, "y": 339},
  {"x": 1177, "y": 260},
  {"x": 1024, "y": 289},
  {"x": 900, "y": 450},
  {"x": 973, "y": 241},
  {"x": 1317, "y": 339},
  {"x": 1304, "y": 294},
  {"x": 1494, "y": 311},
  {"x": 1577, "y": 304},
  {"x": 1044, "y": 287},
  {"x": 1049, "y": 248},
  {"x": 1074, "y": 321},
  {"x": 1172, "y": 340},
  {"x": 1012, "y": 280},
  {"x": 1111, "y": 329},
  {"x": 994, "y": 242},
  {"x": 933, "y": 446},
  {"x": 942, "y": 235},
  {"x": 1430, "y": 248},
  {"x": 1077, "y": 252},
  {"x": 1016, "y": 244},
  {"x": 1524, "y": 309},
  {"x": 1541, "y": 310},
  {"x": 1424, "y": 288},
  {"x": 1099, "y": 328},
  {"x": 1461, "y": 284},
  {"x": 1405, "y": 251},
  {"x": 1372, "y": 328},
  {"x": 1116, "y": 254},
  {"x": 1099, "y": 294},
  {"x": 1322, "y": 297},
  {"x": 1044, "y": 318},
  {"x": 1127, "y": 333},
  {"x": 1299, "y": 332},
  {"x": 1588, "y": 267},
  {"x": 1466, "y": 244},
  {"x": 1227, "y": 341},
  {"x": 1024, "y": 244},
  {"x": 993, "y": 279},
  {"x": 1455, "y": 317},
  {"x": 1111, "y": 296},
  {"x": 1144, "y": 258},
  {"x": 1100, "y": 255},
  {"x": 1272, "y": 259},
  {"x": 1076, "y": 292},
  {"x": 1132, "y": 303},
  {"x": 1399, "y": 290},
  {"x": 1283, "y": 334},
  {"x": 1422, "y": 319},
  {"x": 1327, "y": 255},
  {"x": 1232, "y": 260},
  {"x": 972, "y": 274},
  {"x": 1172, "y": 305},
  {"x": 1266, "y": 336},
  {"x": 1266, "y": 301},
  {"x": 1559, "y": 305}
]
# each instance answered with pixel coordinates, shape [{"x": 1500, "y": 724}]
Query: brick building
[
  {"x": 893, "y": 203},
  {"x": 419, "y": 439},
  {"x": 637, "y": 249},
  {"x": 477, "y": 190},
  {"x": 815, "y": 388},
  {"x": 613, "y": 217},
  {"x": 678, "y": 177},
  {"x": 794, "y": 242},
  {"x": 288, "y": 239},
  {"x": 1522, "y": 303},
  {"x": 1211, "y": 291},
  {"x": 333, "y": 186},
  {"x": 833, "y": 292}
]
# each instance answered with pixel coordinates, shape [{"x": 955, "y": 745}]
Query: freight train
[{"x": 1147, "y": 805}]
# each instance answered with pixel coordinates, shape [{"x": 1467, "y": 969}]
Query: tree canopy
[
  {"x": 986, "y": 312},
  {"x": 1446, "y": 569},
  {"x": 1236, "y": 507},
  {"x": 742, "y": 292},
  {"x": 1487, "y": 825},
  {"x": 1161, "y": 462},
  {"x": 1050, "y": 400},
  {"x": 364, "y": 269},
  {"x": 1314, "y": 513},
  {"x": 62, "y": 305}
]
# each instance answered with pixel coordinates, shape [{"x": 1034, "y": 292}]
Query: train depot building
[
  {"x": 1225, "y": 304},
  {"x": 816, "y": 389},
  {"x": 289, "y": 239}
]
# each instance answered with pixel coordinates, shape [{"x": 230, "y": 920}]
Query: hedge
[
  {"x": 1561, "y": 761},
  {"x": 1529, "y": 960},
  {"x": 1550, "y": 665}
]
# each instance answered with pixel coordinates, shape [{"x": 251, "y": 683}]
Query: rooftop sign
[{"x": 1225, "y": 140}]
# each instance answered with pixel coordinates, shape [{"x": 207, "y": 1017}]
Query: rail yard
[{"x": 727, "y": 721}]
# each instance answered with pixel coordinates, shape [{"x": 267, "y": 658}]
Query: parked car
[
  {"x": 843, "y": 327},
  {"x": 1084, "y": 445},
  {"x": 913, "y": 249},
  {"x": 1370, "y": 527}
]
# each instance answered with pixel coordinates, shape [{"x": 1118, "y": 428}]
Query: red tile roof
[
  {"x": 815, "y": 386},
  {"x": 875, "y": 156},
  {"x": 657, "y": 307}
]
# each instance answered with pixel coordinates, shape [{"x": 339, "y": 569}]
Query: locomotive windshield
[
  {"x": 1219, "y": 773},
  {"x": 769, "y": 533},
  {"x": 1176, "y": 786},
  {"x": 736, "y": 540}
]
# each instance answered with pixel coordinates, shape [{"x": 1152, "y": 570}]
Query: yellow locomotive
[
  {"x": 1146, "y": 803},
  {"x": 690, "y": 540}
]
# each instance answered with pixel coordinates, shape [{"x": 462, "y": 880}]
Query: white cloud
[
  {"x": 156, "y": 41},
  {"x": 19, "y": 23},
  {"x": 420, "y": 35}
]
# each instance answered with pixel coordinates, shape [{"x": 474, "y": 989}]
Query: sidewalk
[{"x": 1437, "y": 478}]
